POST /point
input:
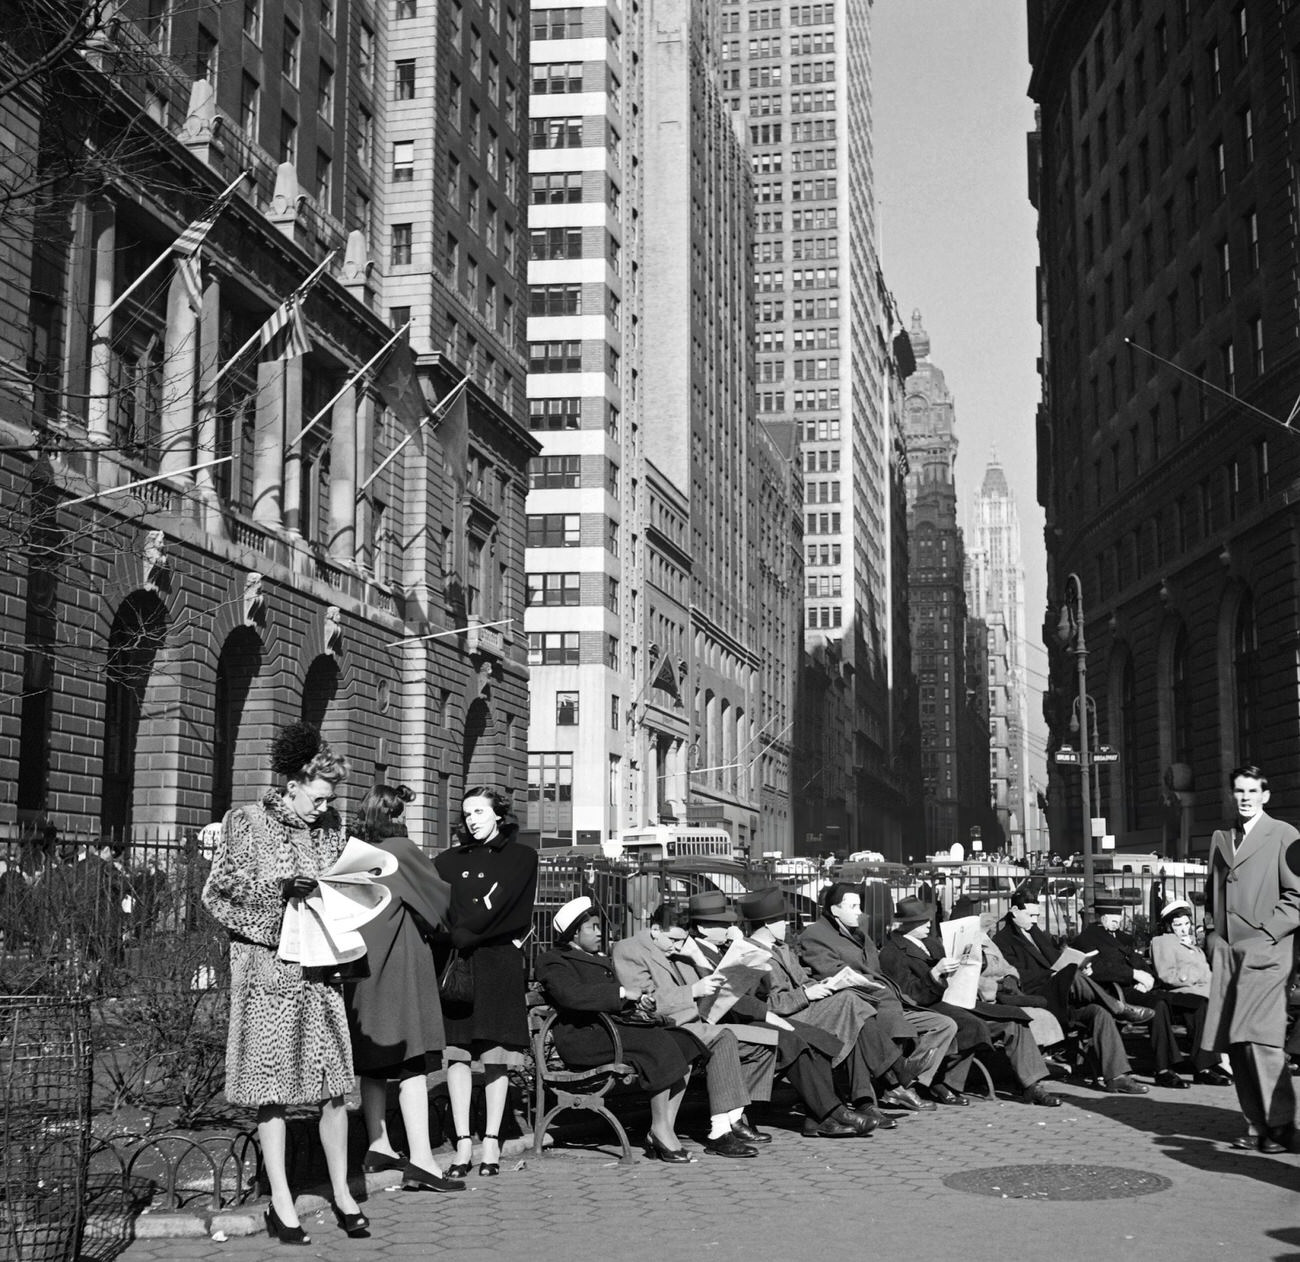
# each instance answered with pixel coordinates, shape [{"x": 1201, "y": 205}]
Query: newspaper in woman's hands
[{"x": 321, "y": 929}]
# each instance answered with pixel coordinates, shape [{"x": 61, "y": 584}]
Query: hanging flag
[
  {"x": 191, "y": 274},
  {"x": 453, "y": 434},
  {"x": 288, "y": 315},
  {"x": 398, "y": 384},
  {"x": 666, "y": 677},
  {"x": 187, "y": 244}
]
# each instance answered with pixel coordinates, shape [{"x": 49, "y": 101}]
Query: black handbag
[{"x": 456, "y": 985}]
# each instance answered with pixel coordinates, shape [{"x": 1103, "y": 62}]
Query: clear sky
[{"x": 958, "y": 242}]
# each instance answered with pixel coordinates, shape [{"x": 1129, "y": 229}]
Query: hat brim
[{"x": 724, "y": 917}]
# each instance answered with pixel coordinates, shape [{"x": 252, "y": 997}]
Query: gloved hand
[
  {"x": 461, "y": 938},
  {"x": 297, "y": 887}
]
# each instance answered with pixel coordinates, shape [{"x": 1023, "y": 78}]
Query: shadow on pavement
[
  {"x": 1286, "y": 1235},
  {"x": 1195, "y": 1135}
]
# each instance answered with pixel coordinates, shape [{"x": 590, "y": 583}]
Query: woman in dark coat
[
  {"x": 493, "y": 882},
  {"x": 581, "y": 983},
  {"x": 394, "y": 1014},
  {"x": 288, "y": 1038}
]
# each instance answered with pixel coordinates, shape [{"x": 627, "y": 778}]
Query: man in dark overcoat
[{"x": 1253, "y": 897}]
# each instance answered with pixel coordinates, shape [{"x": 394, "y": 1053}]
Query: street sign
[
  {"x": 1106, "y": 753},
  {"x": 1067, "y": 754}
]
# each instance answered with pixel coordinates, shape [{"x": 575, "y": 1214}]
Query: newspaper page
[
  {"x": 741, "y": 967},
  {"x": 321, "y": 929},
  {"x": 1071, "y": 955},
  {"x": 961, "y": 944}
]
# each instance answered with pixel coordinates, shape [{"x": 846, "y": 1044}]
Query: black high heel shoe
[
  {"x": 459, "y": 1169},
  {"x": 490, "y": 1169},
  {"x": 355, "y": 1225},
  {"x": 278, "y": 1231},
  {"x": 661, "y": 1152}
]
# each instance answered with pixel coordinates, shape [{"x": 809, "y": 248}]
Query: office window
[
  {"x": 556, "y": 77},
  {"x": 554, "y": 356},
  {"x": 1257, "y": 345},
  {"x": 404, "y": 80},
  {"x": 555, "y": 133},
  {"x": 288, "y": 139},
  {"x": 401, "y": 244},
  {"x": 553, "y": 648},
  {"x": 249, "y": 106},
  {"x": 253, "y": 20},
  {"x": 403, "y": 10},
  {"x": 325, "y": 92},
  {"x": 324, "y": 179},
  {"x": 555, "y": 243},
  {"x": 554, "y": 300},
  {"x": 554, "y": 589},
  {"x": 554, "y": 530},
  {"x": 403, "y": 161},
  {"x": 366, "y": 53},
  {"x": 566, "y": 709},
  {"x": 550, "y": 414},
  {"x": 289, "y": 52},
  {"x": 553, "y": 472},
  {"x": 1250, "y": 223},
  {"x": 554, "y": 187}
]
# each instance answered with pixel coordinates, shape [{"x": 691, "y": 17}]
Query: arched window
[
  {"x": 1180, "y": 700},
  {"x": 1129, "y": 748},
  {"x": 237, "y": 667},
  {"x": 137, "y": 633},
  {"x": 1245, "y": 682},
  {"x": 320, "y": 689}
]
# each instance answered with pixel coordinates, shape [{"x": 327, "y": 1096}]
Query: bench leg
[{"x": 589, "y": 1104}]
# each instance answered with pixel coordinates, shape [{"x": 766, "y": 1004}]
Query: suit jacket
[
  {"x": 640, "y": 964},
  {"x": 1253, "y": 893},
  {"x": 909, "y": 963},
  {"x": 1253, "y": 890},
  {"x": 825, "y": 949},
  {"x": 1032, "y": 957},
  {"x": 1117, "y": 955}
]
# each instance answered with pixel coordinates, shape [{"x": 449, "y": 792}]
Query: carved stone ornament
[
  {"x": 156, "y": 562},
  {"x": 254, "y": 600},
  {"x": 333, "y": 630}
]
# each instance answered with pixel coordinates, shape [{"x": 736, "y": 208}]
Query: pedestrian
[
  {"x": 288, "y": 1037},
  {"x": 394, "y": 1013},
  {"x": 493, "y": 882},
  {"x": 1253, "y": 898}
]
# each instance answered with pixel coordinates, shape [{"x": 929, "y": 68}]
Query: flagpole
[
  {"x": 348, "y": 384},
  {"x": 299, "y": 293},
  {"x": 442, "y": 403},
  {"x": 434, "y": 635},
  {"x": 160, "y": 260},
  {"x": 158, "y": 477}
]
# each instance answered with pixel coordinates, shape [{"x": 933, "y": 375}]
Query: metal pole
[{"x": 1085, "y": 752}]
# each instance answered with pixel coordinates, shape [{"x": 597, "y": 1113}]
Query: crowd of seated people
[{"x": 861, "y": 1033}]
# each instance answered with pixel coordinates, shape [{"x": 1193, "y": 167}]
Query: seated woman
[
  {"x": 1183, "y": 970},
  {"x": 580, "y": 981}
]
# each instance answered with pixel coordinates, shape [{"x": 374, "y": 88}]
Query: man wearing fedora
[
  {"x": 921, "y": 971},
  {"x": 835, "y": 940},
  {"x": 1253, "y": 897},
  {"x": 866, "y": 1046},
  {"x": 1119, "y": 965},
  {"x": 805, "y": 1054}
]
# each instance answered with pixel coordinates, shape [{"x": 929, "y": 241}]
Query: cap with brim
[
  {"x": 1175, "y": 907},
  {"x": 571, "y": 913}
]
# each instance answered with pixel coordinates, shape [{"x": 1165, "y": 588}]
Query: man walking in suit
[{"x": 1253, "y": 897}]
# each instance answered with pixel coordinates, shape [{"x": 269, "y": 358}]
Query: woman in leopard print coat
[{"x": 288, "y": 1039}]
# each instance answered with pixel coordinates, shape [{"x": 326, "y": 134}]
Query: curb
[{"x": 247, "y": 1220}]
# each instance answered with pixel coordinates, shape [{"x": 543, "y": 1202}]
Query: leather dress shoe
[
  {"x": 1212, "y": 1078},
  {"x": 944, "y": 1094},
  {"x": 1057, "y": 1068},
  {"x": 906, "y": 1098},
  {"x": 729, "y": 1145},
  {"x": 1167, "y": 1078},
  {"x": 882, "y": 1120},
  {"x": 828, "y": 1128},
  {"x": 850, "y": 1116},
  {"x": 1278, "y": 1139},
  {"x": 1122, "y": 1084},
  {"x": 910, "y": 1068},
  {"x": 1246, "y": 1142},
  {"x": 1038, "y": 1094},
  {"x": 750, "y": 1134},
  {"x": 1135, "y": 1014}
]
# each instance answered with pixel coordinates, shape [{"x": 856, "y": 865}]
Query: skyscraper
[
  {"x": 663, "y": 577},
  {"x": 798, "y": 79},
  {"x": 995, "y": 588}
]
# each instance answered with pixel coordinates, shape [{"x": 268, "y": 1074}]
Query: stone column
[
  {"x": 343, "y": 478},
  {"x": 179, "y": 369},
  {"x": 293, "y": 423},
  {"x": 104, "y": 234},
  {"x": 205, "y": 420},
  {"x": 367, "y": 409},
  {"x": 268, "y": 444}
]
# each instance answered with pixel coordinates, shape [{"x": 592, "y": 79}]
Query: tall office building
[
  {"x": 1164, "y": 173},
  {"x": 798, "y": 78},
  {"x": 951, "y": 688},
  {"x": 663, "y": 584},
  {"x": 995, "y": 590}
]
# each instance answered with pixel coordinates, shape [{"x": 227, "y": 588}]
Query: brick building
[
  {"x": 154, "y": 635},
  {"x": 1164, "y": 173}
]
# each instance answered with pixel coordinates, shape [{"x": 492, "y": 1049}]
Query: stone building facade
[{"x": 205, "y": 536}]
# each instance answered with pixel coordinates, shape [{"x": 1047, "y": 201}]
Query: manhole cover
[{"x": 1058, "y": 1183}]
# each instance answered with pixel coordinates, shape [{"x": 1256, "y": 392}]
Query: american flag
[
  {"x": 187, "y": 244},
  {"x": 288, "y": 315}
]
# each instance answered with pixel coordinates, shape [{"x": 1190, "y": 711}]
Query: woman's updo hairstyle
[
  {"x": 300, "y": 752},
  {"x": 380, "y": 812}
]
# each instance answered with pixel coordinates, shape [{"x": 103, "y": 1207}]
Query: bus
[{"x": 657, "y": 842}]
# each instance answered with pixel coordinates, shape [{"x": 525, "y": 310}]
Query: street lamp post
[{"x": 1070, "y": 631}]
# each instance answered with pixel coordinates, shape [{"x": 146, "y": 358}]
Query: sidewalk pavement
[{"x": 1103, "y": 1177}]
